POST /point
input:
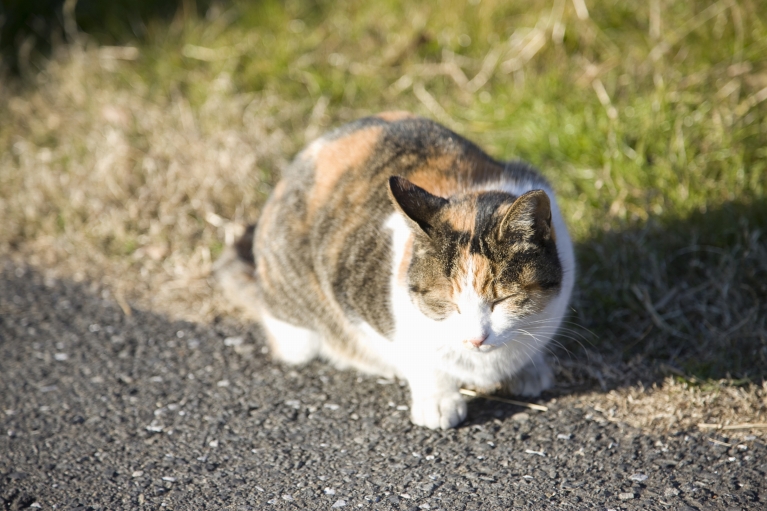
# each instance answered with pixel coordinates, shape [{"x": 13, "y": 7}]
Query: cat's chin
[{"x": 485, "y": 348}]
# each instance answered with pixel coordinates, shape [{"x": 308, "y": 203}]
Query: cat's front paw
[
  {"x": 532, "y": 379},
  {"x": 443, "y": 411}
]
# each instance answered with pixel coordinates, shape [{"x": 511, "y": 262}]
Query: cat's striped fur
[{"x": 396, "y": 247}]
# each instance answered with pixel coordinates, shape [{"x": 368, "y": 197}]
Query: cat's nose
[{"x": 477, "y": 341}]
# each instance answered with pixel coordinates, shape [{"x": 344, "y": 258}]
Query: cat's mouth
[{"x": 484, "y": 348}]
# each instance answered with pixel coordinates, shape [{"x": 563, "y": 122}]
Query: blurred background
[{"x": 136, "y": 135}]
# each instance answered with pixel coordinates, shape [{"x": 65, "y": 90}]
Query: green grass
[{"x": 648, "y": 118}]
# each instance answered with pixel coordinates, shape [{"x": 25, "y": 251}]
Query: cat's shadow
[
  {"x": 680, "y": 297},
  {"x": 683, "y": 297}
]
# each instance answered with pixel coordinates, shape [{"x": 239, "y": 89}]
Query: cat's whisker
[
  {"x": 545, "y": 347},
  {"x": 562, "y": 329},
  {"x": 564, "y": 334},
  {"x": 566, "y": 322},
  {"x": 562, "y": 347}
]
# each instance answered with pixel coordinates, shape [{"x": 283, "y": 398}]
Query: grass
[{"x": 131, "y": 165}]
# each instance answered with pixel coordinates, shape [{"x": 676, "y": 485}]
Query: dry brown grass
[
  {"x": 675, "y": 405},
  {"x": 104, "y": 184}
]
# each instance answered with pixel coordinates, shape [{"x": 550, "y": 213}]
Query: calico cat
[{"x": 396, "y": 247}]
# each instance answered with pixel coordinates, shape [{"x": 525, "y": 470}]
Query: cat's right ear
[{"x": 415, "y": 203}]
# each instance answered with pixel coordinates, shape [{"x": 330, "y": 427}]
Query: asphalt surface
[{"x": 100, "y": 410}]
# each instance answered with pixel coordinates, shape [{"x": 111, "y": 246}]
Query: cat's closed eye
[
  {"x": 440, "y": 308},
  {"x": 500, "y": 300}
]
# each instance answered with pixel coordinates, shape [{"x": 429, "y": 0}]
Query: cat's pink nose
[{"x": 477, "y": 342}]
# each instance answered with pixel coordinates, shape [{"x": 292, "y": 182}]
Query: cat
[{"x": 396, "y": 247}]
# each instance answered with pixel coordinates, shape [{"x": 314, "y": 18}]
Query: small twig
[
  {"x": 447, "y": 68},
  {"x": 534, "y": 41},
  {"x": 746, "y": 425},
  {"x": 122, "y": 302},
  {"x": 751, "y": 102},
  {"x": 532, "y": 406},
  {"x": 604, "y": 98},
  {"x": 644, "y": 298},
  {"x": 489, "y": 64},
  {"x": 690, "y": 25},
  {"x": 581, "y": 10},
  {"x": 433, "y": 105}
]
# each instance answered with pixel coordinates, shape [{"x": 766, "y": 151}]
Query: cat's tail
[{"x": 235, "y": 272}]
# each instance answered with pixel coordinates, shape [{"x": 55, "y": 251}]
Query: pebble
[
  {"x": 638, "y": 477},
  {"x": 520, "y": 417},
  {"x": 137, "y": 473},
  {"x": 233, "y": 341},
  {"x": 626, "y": 496},
  {"x": 670, "y": 492},
  {"x": 329, "y": 491},
  {"x": 244, "y": 349},
  {"x": 428, "y": 487},
  {"x": 339, "y": 503}
]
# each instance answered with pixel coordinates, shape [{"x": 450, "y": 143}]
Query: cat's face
[{"x": 481, "y": 263}]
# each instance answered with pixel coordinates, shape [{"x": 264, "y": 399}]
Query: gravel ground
[{"x": 101, "y": 410}]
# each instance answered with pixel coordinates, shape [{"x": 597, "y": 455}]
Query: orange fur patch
[
  {"x": 483, "y": 276},
  {"x": 404, "y": 265},
  {"x": 336, "y": 157},
  {"x": 460, "y": 217},
  {"x": 434, "y": 176},
  {"x": 451, "y": 173},
  {"x": 395, "y": 115}
]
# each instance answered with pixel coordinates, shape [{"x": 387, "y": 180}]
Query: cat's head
[{"x": 480, "y": 263}]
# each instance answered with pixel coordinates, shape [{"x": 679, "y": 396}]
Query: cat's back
[{"x": 344, "y": 172}]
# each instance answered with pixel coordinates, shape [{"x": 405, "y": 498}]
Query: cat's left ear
[
  {"x": 416, "y": 203},
  {"x": 529, "y": 217}
]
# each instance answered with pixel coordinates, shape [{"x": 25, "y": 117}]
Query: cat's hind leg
[
  {"x": 235, "y": 272},
  {"x": 289, "y": 343}
]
